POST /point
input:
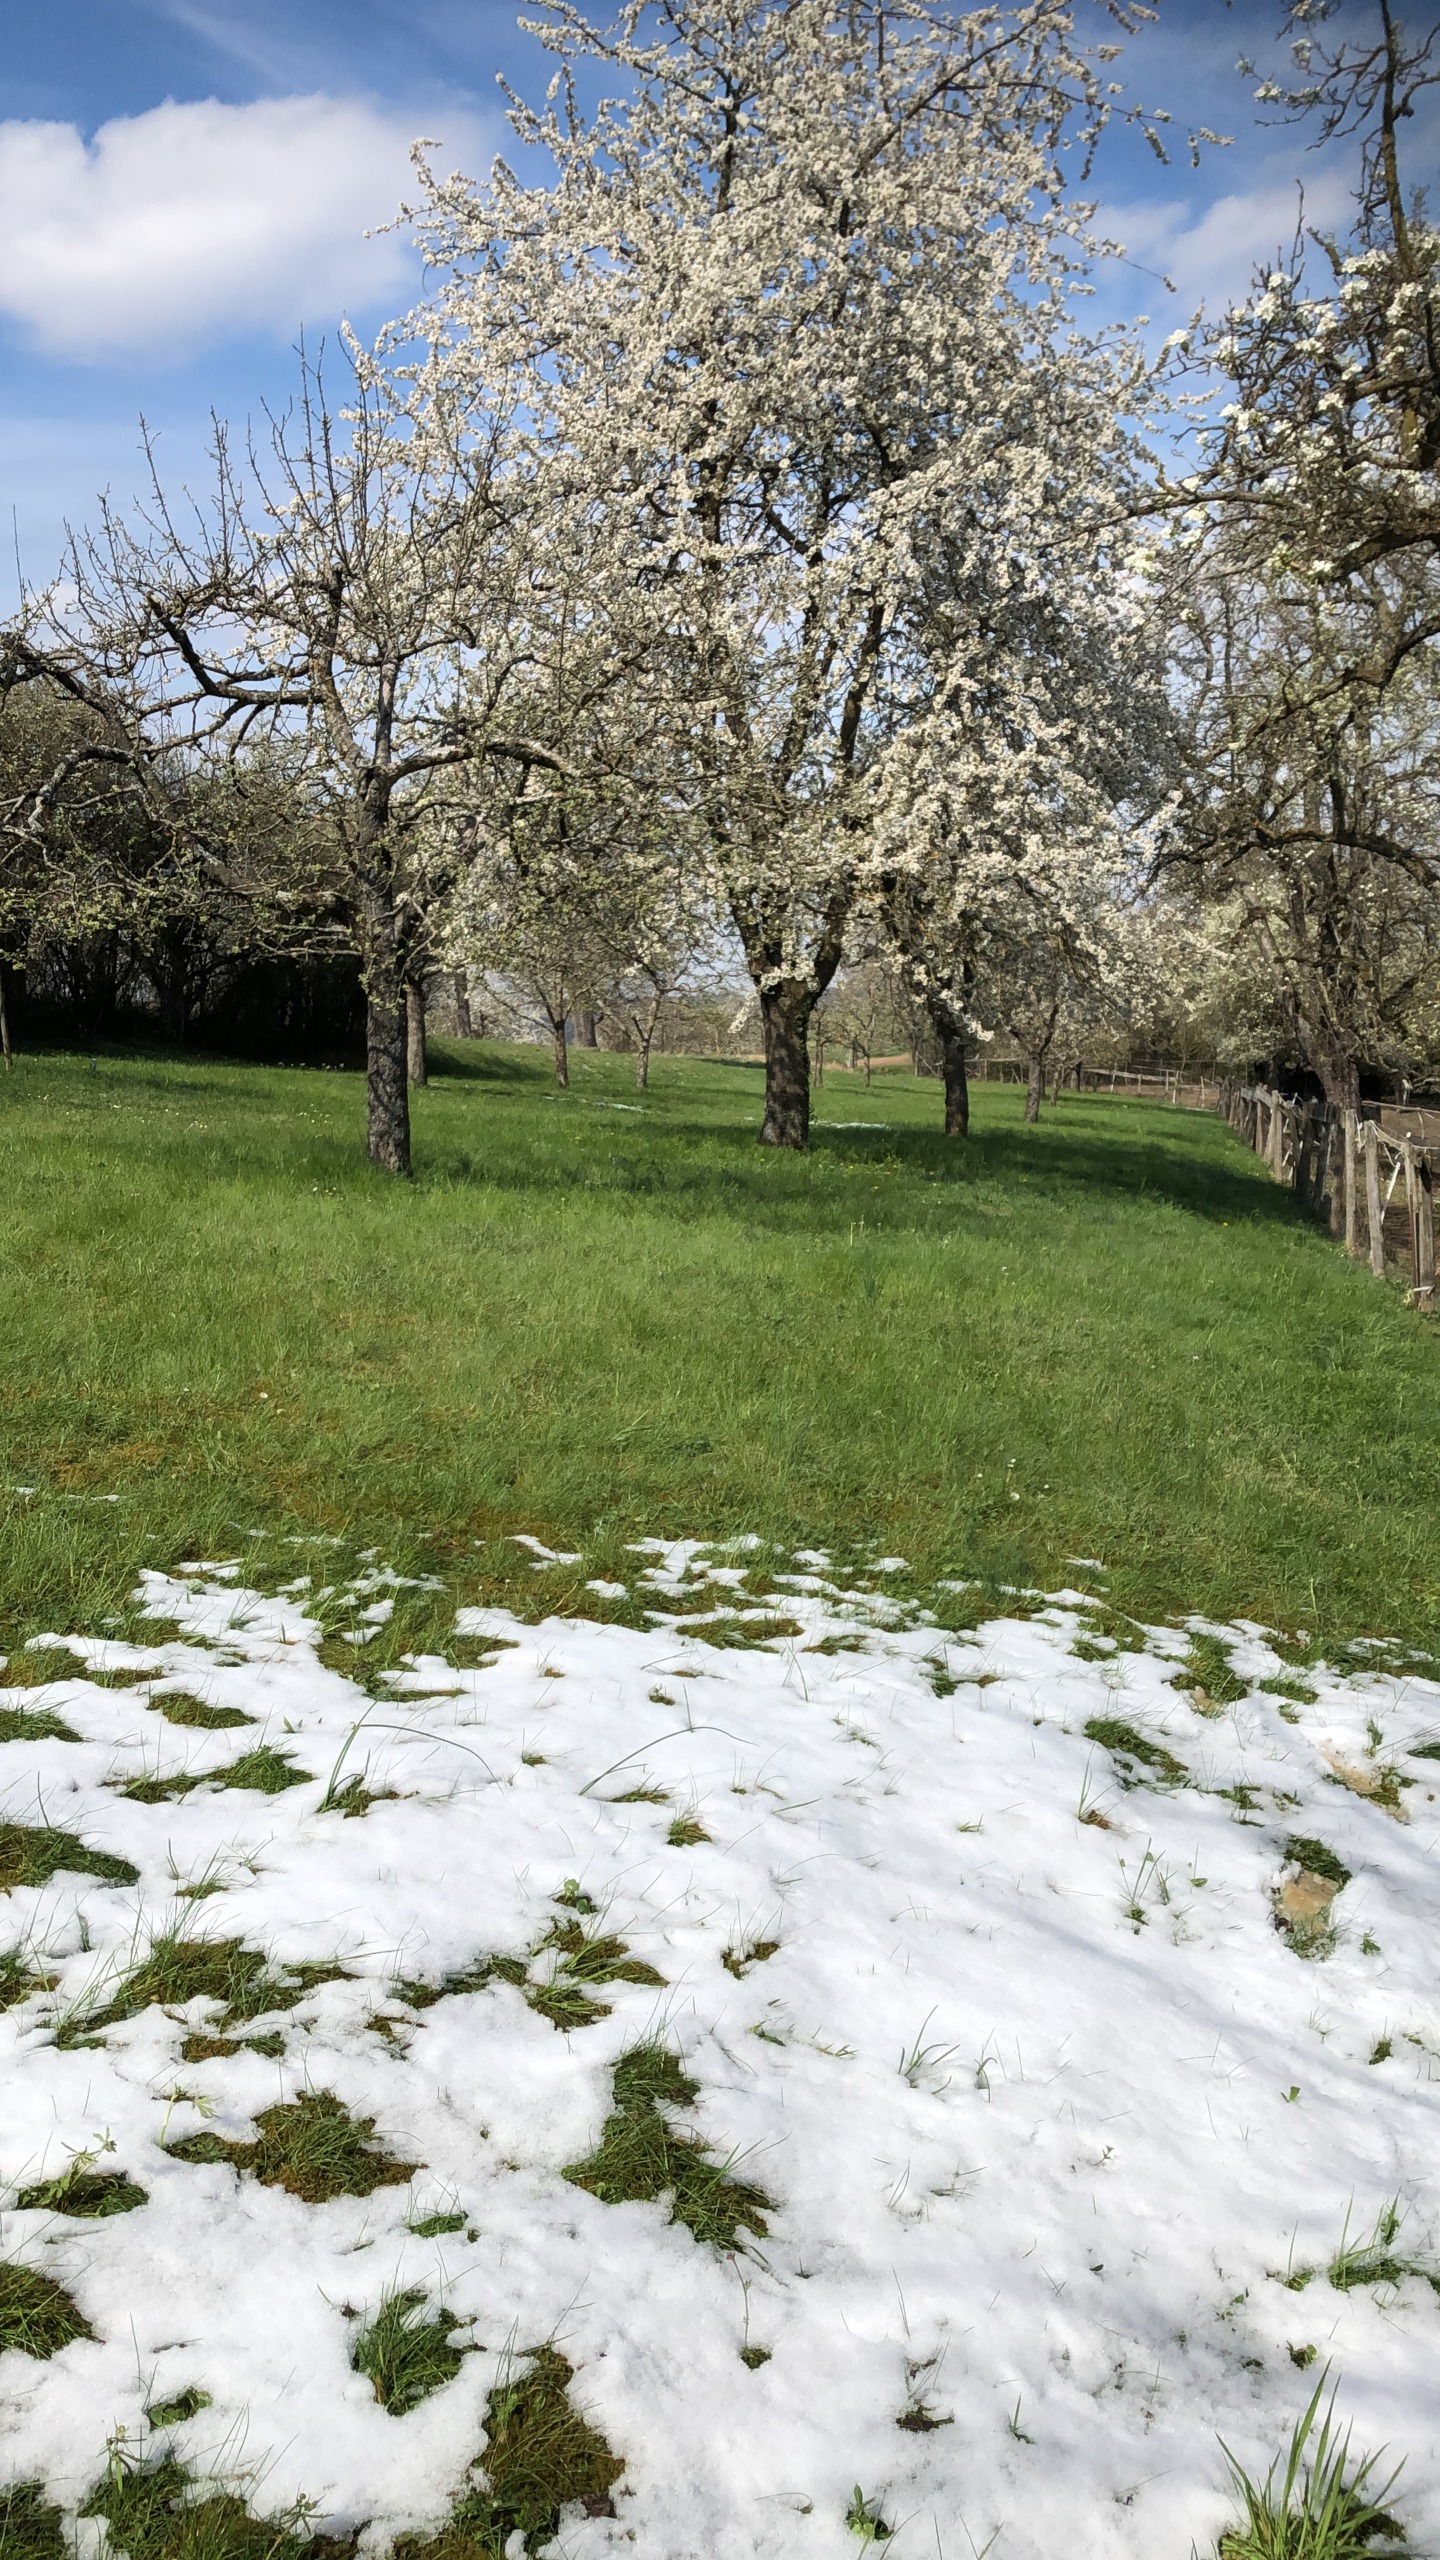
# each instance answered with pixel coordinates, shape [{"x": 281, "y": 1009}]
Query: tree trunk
[
  {"x": 587, "y": 1034},
  {"x": 463, "y": 1026},
  {"x": 784, "y": 1014},
  {"x": 4, "y": 1022},
  {"x": 1035, "y": 1088},
  {"x": 415, "y": 1062},
  {"x": 957, "y": 1085},
  {"x": 867, "y": 1070},
  {"x": 562, "y": 1053},
  {"x": 387, "y": 1097}
]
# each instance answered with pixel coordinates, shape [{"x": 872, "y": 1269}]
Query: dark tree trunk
[
  {"x": 1035, "y": 1088},
  {"x": 784, "y": 1014},
  {"x": 957, "y": 1084},
  {"x": 4, "y": 1021},
  {"x": 587, "y": 1033},
  {"x": 562, "y": 1054},
  {"x": 416, "y": 1064},
  {"x": 642, "y": 1058},
  {"x": 463, "y": 1027},
  {"x": 387, "y": 1094}
]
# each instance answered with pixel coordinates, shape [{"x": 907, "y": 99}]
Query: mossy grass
[
  {"x": 178, "y": 1706},
  {"x": 405, "y": 2351},
  {"x": 640, "y": 2157},
  {"x": 541, "y": 2456},
  {"x": 1137, "y": 1756},
  {"x": 721, "y": 1334},
  {"x": 313, "y": 2147},
  {"x": 90, "y": 2195},
  {"x": 32, "y": 1853},
  {"x": 37, "y": 2316},
  {"x": 34, "y": 1724},
  {"x": 1315, "y": 2502},
  {"x": 159, "y": 2512},
  {"x": 30, "y": 2527}
]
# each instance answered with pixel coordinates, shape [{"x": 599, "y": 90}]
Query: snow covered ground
[{"x": 1046, "y": 2105}]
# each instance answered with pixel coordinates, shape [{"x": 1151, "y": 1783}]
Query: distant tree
[{"x": 363, "y": 596}]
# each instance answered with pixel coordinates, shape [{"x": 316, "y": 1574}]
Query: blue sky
[{"x": 185, "y": 185}]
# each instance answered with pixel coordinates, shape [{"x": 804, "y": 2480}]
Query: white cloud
[
  {"x": 1210, "y": 258},
  {"x": 193, "y": 222}
]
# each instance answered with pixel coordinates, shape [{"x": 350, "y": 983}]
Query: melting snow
[{"x": 1047, "y": 2106}]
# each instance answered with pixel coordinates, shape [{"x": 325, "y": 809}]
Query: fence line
[{"x": 1335, "y": 1161}]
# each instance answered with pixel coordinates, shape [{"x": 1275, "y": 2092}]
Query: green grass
[
  {"x": 18, "y": 1978},
  {"x": 178, "y": 1707},
  {"x": 540, "y": 2455},
  {"x": 178, "y": 1969},
  {"x": 264, "y": 1772},
  {"x": 160, "y": 2513},
  {"x": 1301, "y": 1851},
  {"x": 1109, "y": 1335},
  {"x": 90, "y": 2195},
  {"x": 33, "y": 1724},
  {"x": 31, "y": 1853},
  {"x": 30, "y": 2528},
  {"x": 313, "y": 2148},
  {"x": 37, "y": 2316},
  {"x": 1136, "y": 1752},
  {"x": 640, "y": 2157},
  {"x": 1314, "y": 2503},
  {"x": 405, "y": 2351}
]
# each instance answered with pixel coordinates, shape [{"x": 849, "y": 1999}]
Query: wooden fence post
[
  {"x": 1424, "y": 1233},
  {"x": 1336, "y": 1167},
  {"x": 1375, "y": 1215},
  {"x": 1304, "y": 1149},
  {"x": 1277, "y": 1134},
  {"x": 1352, "y": 1205}
]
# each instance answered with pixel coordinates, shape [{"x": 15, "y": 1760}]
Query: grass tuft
[
  {"x": 161, "y": 2513},
  {"x": 29, "y": 2525},
  {"x": 1301, "y": 1851},
  {"x": 178, "y": 1970},
  {"x": 541, "y": 2456},
  {"x": 177, "y": 1706},
  {"x": 1127, "y": 1745},
  {"x": 31, "y": 1853},
  {"x": 37, "y": 2316},
  {"x": 18, "y": 1978},
  {"x": 405, "y": 2351},
  {"x": 89, "y": 2195},
  {"x": 1312, "y": 2504},
  {"x": 1210, "y": 1675},
  {"x": 640, "y": 2157},
  {"x": 34, "y": 1724},
  {"x": 738, "y": 1960},
  {"x": 313, "y": 2148},
  {"x": 685, "y": 1832}
]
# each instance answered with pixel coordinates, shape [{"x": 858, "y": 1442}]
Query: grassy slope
[{"x": 1108, "y": 1336}]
